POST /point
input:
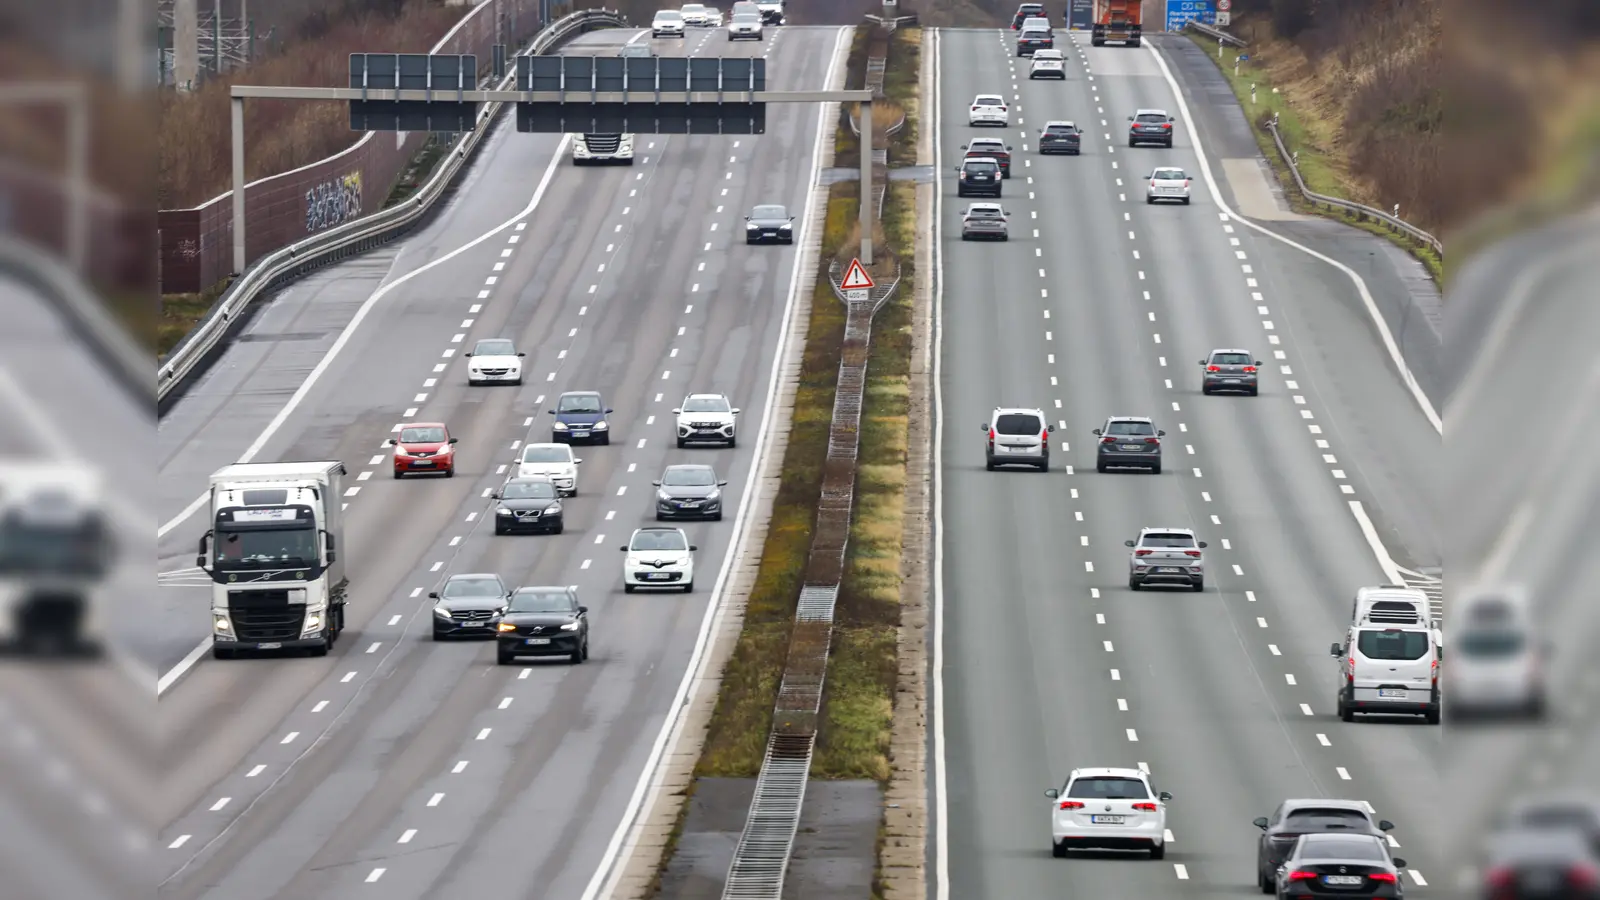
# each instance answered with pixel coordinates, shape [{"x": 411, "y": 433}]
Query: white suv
[
  {"x": 1018, "y": 437},
  {"x": 1113, "y": 809},
  {"x": 552, "y": 461},
  {"x": 1388, "y": 667},
  {"x": 989, "y": 109},
  {"x": 658, "y": 557},
  {"x": 709, "y": 418},
  {"x": 1047, "y": 64}
]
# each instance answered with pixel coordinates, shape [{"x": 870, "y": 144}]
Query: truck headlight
[
  {"x": 221, "y": 623},
  {"x": 313, "y": 623}
]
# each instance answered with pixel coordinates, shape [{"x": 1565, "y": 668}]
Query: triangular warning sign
[{"x": 856, "y": 277}]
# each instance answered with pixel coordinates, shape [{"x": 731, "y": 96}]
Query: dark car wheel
[
  {"x": 559, "y": 528},
  {"x": 438, "y": 635},
  {"x": 504, "y": 658},
  {"x": 965, "y": 236},
  {"x": 1254, "y": 391},
  {"x": 1134, "y": 584},
  {"x": 576, "y": 656},
  {"x": 1205, "y": 389},
  {"x": 1059, "y": 851},
  {"x": 1158, "y": 852},
  {"x": 1199, "y": 585},
  {"x": 605, "y": 441},
  {"x": 1169, "y": 143},
  {"x": 629, "y": 588},
  {"x": 1265, "y": 882},
  {"x": 398, "y": 473},
  {"x": 1155, "y": 469}
]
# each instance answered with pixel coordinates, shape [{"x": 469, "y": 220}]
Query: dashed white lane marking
[
  {"x": 1274, "y": 650},
  {"x": 1288, "y": 677},
  {"x": 1180, "y": 871},
  {"x": 1323, "y": 740},
  {"x": 348, "y": 677},
  {"x": 436, "y": 799},
  {"x": 1133, "y": 735},
  {"x": 459, "y": 768},
  {"x": 374, "y": 647},
  {"x": 323, "y": 704},
  {"x": 505, "y": 703},
  {"x": 289, "y": 738},
  {"x": 484, "y": 734},
  {"x": 1344, "y": 774},
  {"x": 1306, "y": 708},
  {"x": 254, "y": 771},
  {"x": 217, "y": 806},
  {"x": 179, "y": 842},
  {"x": 1417, "y": 877},
  {"x": 406, "y": 836},
  {"x": 1261, "y": 622},
  {"x": 1122, "y": 705},
  {"x": 1109, "y": 648}
]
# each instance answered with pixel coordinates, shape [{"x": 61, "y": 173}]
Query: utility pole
[{"x": 186, "y": 44}]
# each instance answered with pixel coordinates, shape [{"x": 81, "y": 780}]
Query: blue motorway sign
[{"x": 1180, "y": 12}]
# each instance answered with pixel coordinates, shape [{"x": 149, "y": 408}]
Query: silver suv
[
  {"x": 1128, "y": 442},
  {"x": 1018, "y": 437},
  {"x": 1166, "y": 556}
]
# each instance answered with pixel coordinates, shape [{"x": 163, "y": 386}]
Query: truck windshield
[
  {"x": 266, "y": 548},
  {"x": 79, "y": 549}
]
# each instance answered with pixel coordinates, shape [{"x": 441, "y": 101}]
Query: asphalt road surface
[
  {"x": 1522, "y": 329},
  {"x": 397, "y": 767},
  {"x": 1102, "y": 305}
]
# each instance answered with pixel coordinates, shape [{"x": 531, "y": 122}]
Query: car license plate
[
  {"x": 1130, "y": 446},
  {"x": 538, "y": 640},
  {"x": 1167, "y": 569},
  {"x": 656, "y": 576},
  {"x": 580, "y": 434},
  {"x": 1342, "y": 879},
  {"x": 471, "y": 624},
  {"x": 690, "y": 504},
  {"x": 1392, "y": 693},
  {"x": 422, "y": 462},
  {"x": 1230, "y": 381},
  {"x": 270, "y": 645},
  {"x": 1106, "y": 820}
]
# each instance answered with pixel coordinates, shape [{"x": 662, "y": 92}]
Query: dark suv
[
  {"x": 991, "y": 148},
  {"x": 1061, "y": 137},
  {"x": 979, "y": 177},
  {"x": 1025, "y": 12},
  {"x": 1031, "y": 39},
  {"x": 1128, "y": 442},
  {"x": 1150, "y": 126}
]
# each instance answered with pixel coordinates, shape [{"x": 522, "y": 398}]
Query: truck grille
[
  {"x": 602, "y": 143},
  {"x": 265, "y": 615}
]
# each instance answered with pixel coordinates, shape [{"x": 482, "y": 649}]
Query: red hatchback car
[{"x": 424, "y": 447}]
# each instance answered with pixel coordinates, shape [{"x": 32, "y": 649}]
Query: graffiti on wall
[{"x": 333, "y": 202}]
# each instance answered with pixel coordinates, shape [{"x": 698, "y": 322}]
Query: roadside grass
[
  {"x": 418, "y": 171},
  {"x": 1310, "y": 130},
  {"x": 180, "y": 313},
  {"x": 742, "y": 720}
]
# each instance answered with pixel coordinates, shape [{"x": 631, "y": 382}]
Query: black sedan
[
  {"x": 1324, "y": 864},
  {"x": 1293, "y": 818},
  {"x": 1541, "y": 864},
  {"x": 543, "y": 621},
  {"x": 528, "y": 504},
  {"x": 1061, "y": 137},
  {"x": 467, "y": 604},
  {"x": 769, "y": 223},
  {"x": 689, "y": 492}
]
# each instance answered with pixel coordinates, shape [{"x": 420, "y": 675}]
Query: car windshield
[
  {"x": 529, "y": 490},
  {"x": 1167, "y": 539},
  {"x": 495, "y": 347},
  {"x": 1230, "y": 359},
  {"x": 422, "y": 435},
  {"x": 580, "y": 403},
  {"x": 1323, "y": 847},
  {"x": 1108, "y": 788},
  {"x": 1393, "y": 644},
  {"x": 705, "y": 404},
  {"x": 1490, "y": 644},
  {"x": 1018, "y": 423},
  {"x": 659, "y": 540},
  {"x": 769, "y": 212},
  {"x": 1321, "y": 819},
  {"x": 1131, "y": 428},
  {"x": 692, "y": 476},
  {"x": 1151, "y": 118},
  {"x": 473, "y": 587},
  {"x": 669, "y": 15},
  {"x": 542, "y": 600},
  {"x": 545, "y": 455},
  {"x": 1169, "y": 175}
]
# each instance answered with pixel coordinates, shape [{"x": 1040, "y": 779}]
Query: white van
[
  {"x": 1497, "y": 655},
  {"x": 1388, "y": 665}
]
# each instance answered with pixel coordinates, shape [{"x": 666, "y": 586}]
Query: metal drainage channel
[{"x": 761, "y": 858}]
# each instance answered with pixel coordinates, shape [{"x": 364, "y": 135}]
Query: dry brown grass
[{"x": 195, "y": 161}]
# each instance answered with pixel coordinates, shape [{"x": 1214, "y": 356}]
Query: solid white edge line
[
  {"x": 1385, "y": 561},
  {"x": 1395, "y": 356},
  {"x": 941, "y": 833},
  {"x": 609, "y": 872},
  {"x": 171, "y": 676}
]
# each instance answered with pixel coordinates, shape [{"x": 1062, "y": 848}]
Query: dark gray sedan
[
  {"x": 1128, "y": 442},
  {"x": 689, "y": 492},
  {"x": 769, "y": 223},
  {"x": 1230, "y": 370},
  {"x": 466, "y": 604},
  {"x": 1355, "y": 865},
  {"x": 985, "y": 221},
  {"x": 1061, "y": 137},
  {"x": 528, "y": 504}
]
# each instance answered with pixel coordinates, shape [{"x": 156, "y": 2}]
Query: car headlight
[
  {"x": 663, "y": 496},
  {"x": 601, "y": 426},
  {"x": 786, "y": 227},
  {"x": 751, "y": 226},
  {"x": 505, "y": 626},
  {"x": 475, "y": 370},
  {"x": 714, "y": 495},
  {"x": 560, "y": 426},
  {"x": 570, "y": 626},
  {"x": 552, "y": 509},
  {"x": 441, "y": 612},
  {"x": 502, "y": 511},
  {"x": 401, "y": 454}
]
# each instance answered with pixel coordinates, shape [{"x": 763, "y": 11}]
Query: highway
[
  {"x": 398, "y": 767},
  {"x": 1521, "y": 332},
  {"x": 1101, "y": 305}
]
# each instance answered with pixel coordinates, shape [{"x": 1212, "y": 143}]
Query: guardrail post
[
  {"x": 238, "y": 186},
  {"x": 866, "y": 183}
]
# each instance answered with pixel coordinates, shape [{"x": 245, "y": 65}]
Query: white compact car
[
  {"x": 695, "y": 15},
  {"x": 658, "y": 557},
  {"x": 707, "y": 418},
  {"x": 1047, "y": 64},
  {"x": 494, "y": 361},
  {"x": 552, "y": 461},
  {"x": 745, "y": 27},
  {"x": 1496, "y": 657},
  {"x": 1108, "y": 809},
  {"x": 989, "y": 109},
  {"x": 667, "y": 23},
  {"x": 1168, "y": 183}
]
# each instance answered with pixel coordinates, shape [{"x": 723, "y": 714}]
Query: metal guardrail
[
  {"x": 1351, "y": 209},
  {"x": 355, "y": 236},
  {"x": 761, "y": 858}
]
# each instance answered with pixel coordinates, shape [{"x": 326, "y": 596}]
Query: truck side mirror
[
  {"x": 1258, "y": 362},
  {"x": 466, "y": 354},
  {"x": 1399, "y": 863},
  {"x": 1095, "y": 432},
  {"x": 1161, "y": 434}
]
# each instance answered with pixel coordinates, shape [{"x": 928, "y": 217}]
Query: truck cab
[
  {"x": 56, "y": 551},
  {"x": 1117, "y": 20}
]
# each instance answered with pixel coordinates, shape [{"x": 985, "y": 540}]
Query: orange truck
[{"x": 1117, "y": 20}]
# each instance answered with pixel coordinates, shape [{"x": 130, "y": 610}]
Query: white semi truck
[
  {"x": 56, "y": 551},
  {"x": 608, "y": 148},
  {"x": 273, "y": 555}
]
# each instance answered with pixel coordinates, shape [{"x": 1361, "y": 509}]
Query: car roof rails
[{"x": 1391, "y": 613}]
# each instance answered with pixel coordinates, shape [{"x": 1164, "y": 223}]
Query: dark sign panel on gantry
[
  {"x": 664, "y": 95},
  {"x": 443, "y": 76}
]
